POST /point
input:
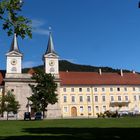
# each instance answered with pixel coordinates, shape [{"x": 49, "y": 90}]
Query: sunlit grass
[{"x": 69, "y": 128}]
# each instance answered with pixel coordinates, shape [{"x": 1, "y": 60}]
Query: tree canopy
[
  {"x": 9, "y": 103},
  {"x": 44, "y": 91},
  {"x": 11, "y": 20}
]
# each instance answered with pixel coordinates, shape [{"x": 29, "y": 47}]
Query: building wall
[
  {"x": 21, "y": 90},
  {"x": 1, "y": 91},
  {"x": 54, "y": 111},
  {"x": 130, "y": 99}
]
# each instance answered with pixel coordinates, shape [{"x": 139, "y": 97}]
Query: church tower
[
  {"x": 51, "y": 58},
  {"x": 52, "y": 66},
  {"x": 14, "y": 58}
]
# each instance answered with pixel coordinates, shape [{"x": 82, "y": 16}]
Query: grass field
[{"x": 71, "y": 129}]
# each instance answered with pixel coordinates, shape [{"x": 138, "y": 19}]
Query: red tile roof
[
  {"x": 1, "y": 79},
  {"x": 94, "y": 78},
  {"x": 31, "y": 71}
]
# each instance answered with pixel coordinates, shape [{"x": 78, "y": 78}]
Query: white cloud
[
  {"x": 38, "y": 27},
  {"x": 41, "y": 31},
  {"x": 37, "y": 23}
]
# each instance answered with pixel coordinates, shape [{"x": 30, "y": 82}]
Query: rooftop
[{"x": 95, "y": 78}]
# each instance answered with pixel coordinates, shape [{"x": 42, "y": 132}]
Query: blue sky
[{"x": 90, "y": 32}]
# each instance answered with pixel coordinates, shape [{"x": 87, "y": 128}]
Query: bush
[{"x": 108, "y": 114}]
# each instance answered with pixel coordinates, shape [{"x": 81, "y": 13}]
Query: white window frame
[
  {"x": 81, "y": 97},
  {"x": 89, "y": 108},
  {"x": 96, "y": 98},
  {"x": 73, "y": 100},
  {"x": 65, "y": 109},
  {"x": 64, "y": 98},
  {"x": 88, "y": 98},
  {"x": 81, "y": 109}
]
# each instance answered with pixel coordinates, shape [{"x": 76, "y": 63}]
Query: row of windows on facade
[
  {"x": 96, "y": 98},
  {"x": 103, "y": 89},
  {"x": 89, "y": 109}
]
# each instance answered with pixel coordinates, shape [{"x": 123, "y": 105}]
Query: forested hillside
[{"x": 68, "y": 66}]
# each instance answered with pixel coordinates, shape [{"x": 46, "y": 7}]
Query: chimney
[
  {"x": 121, "y": 72},
  {"x": 133, "y": 72},
  {"x": 100, "y": 71}
]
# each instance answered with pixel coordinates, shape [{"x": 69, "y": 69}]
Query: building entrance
[{"x": 73, "y": 111}]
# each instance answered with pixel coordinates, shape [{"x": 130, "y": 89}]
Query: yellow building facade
[{"x": 88, "y": 100}]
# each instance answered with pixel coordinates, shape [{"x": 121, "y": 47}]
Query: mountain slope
[{"x": 68, "y": 66}]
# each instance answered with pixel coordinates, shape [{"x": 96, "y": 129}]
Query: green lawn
[{"x": 71, "y": 129}]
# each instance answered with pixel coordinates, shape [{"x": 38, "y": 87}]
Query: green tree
[
  {"x": 10, "y": 104},
  {"x": 44, "y": 91},
  {"x": 11, "y": 20}
]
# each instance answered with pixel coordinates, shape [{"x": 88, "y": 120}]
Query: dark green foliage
[
  {"x": 10, "y": 104},
  {"x": 12, "y": 21},
  {"x": 68, "y": 66},
  {"x": 44, "y": 91},
  {"x": 41, "y": 67}
]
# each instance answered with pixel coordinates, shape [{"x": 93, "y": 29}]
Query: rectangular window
[
  {"x": 72, "y": 89},
  {"x": 112, "y": 98},
  {"x": 118, "y": 89},
  {"x": 119, "y": 98},
  {"x": 65, "y": 109},
  {"x": 65, "y": 99},
  {"x": 12, "y": 90},
  {"x": 88, "y": 98},
  {"x": 134, "y": 89},
  {"x": 64, "y": 89},
  {"x": 103, "y": 89},
  {"x": 81, "y": 98},
  {"x": 139, "y": 97},
  {"x": 111, "y": 89},
  {"x": 89, "y": 108},
  {"x": 104, "y": 108},
  {"x": 95, "y": 89},
  {"x": 103, "y": 98},
  {"x": 135, "y": 98},
  {"x": 126, "y": 98},
  {"x": 88, "y": 89},
  {"x": 125, "y": 89},
  {"x": 81, "y": 109},
  {"x": 97, "y": 108},
  {"x": 96, "y": 98},
  {"x": 73, "y": 98},
  {"x": 80, "y": 89}
]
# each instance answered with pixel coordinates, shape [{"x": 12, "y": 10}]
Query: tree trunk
[{"x": 7, "y": 115}]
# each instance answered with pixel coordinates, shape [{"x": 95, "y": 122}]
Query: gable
[
  {"x": 51, "y": 55},
  {"x": 13, "y": 53}
]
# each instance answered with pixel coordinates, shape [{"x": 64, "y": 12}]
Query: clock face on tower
[
  {"x": 51, "y": 62},
  {"x": 13, "y": 61}
]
